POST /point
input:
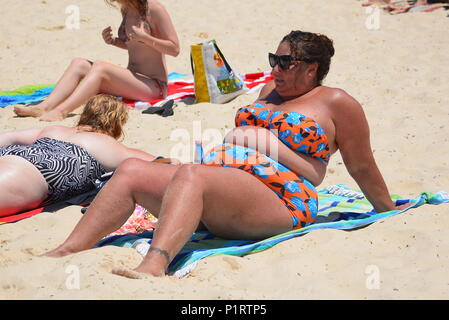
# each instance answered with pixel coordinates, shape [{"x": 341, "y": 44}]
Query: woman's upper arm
[
  {"x": 164, "y": 23},
  {"x": 352, "y": 133},
  {"x": 22, "y": 137},
  {"x": 123, "y": 152},
  {"x": 137, "y": 153},
  {"x": 111, "y": 153}
]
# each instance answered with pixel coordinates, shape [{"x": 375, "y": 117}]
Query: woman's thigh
[
  {"x": 22, "y": 185},
  {"x": 237, "y": 205},
  {"x": 146, "y": 181},
  {"x": 122, "y": 82}
]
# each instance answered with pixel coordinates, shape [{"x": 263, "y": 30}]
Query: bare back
[{"x": 105, "y": 149}]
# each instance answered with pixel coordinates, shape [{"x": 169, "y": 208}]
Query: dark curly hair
[{"x": 312, "y": 47}]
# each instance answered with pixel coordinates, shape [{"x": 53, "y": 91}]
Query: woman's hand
[
  {"x": 139, "y": 33},
  {"x": 108, "y": 36}
]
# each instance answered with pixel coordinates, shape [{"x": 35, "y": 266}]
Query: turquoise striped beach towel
[{"x": 340, "y": 208}]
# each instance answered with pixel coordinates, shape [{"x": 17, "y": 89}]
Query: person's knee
[
  {"x": 131, "y": 168},
  {"x": 99, "y": 69},
  {"x": 190, "y": 174},
  {"x": 81, "y": 65}
]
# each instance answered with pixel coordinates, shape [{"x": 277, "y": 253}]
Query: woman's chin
[
  {"x": 283, "y": 92},
  {"x": 279, "y": 86}
]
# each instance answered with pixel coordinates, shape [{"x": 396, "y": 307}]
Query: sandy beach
[{"x": 396, "y": 67}]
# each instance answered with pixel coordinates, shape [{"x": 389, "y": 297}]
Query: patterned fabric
[
  {"x": 297, "y": 131},
  {"x": 139, "y": 221},
  {"x": 337, "y": 212},
  {"x": 297, "y": 193},
  {"x": 68, "y": 169}
]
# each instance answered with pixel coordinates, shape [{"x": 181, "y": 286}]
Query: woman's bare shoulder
[
  {"x": 339, "y": 99},
  {"x": 344, "y": 108},
  {"x": 334, "y": 93},
  {"x": 266, "y": 90},
  {"x": 55, "y": 130},
  {"x": 96, "y": 136},
  {"x": 155, "y": 6}
]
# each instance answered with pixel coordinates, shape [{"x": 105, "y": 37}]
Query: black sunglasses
[{"x": 284, "y": 61}]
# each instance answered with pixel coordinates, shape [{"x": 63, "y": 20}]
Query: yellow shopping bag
[{"x": 215, "y": 81}]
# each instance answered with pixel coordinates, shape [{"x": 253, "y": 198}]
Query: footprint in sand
[
  {"x": 203, "y": 35},
  {"x": 107, "y": 263},
  {"x": 232, "y": 263}
]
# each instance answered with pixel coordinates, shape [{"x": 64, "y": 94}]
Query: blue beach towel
[
  {"x": 33, "y": 94},
  {"x": 24, "y": 95},
  {"x": 340, "y": 208}
]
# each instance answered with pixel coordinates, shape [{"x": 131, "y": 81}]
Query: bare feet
[
  {"x": 137, "y": 273},
  {"x": 24, "y": 111},
  {"x": 131, "y": 274},
  {"x": 155, "y": 267},
  {"x": 53, "y": 115},
  {"x": 58, "y": 253}
]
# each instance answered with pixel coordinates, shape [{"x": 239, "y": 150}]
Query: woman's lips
[{"x": 279, "y": 82}]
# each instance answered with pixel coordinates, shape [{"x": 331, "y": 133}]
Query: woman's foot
[
  {"x": 155, "y": 267},
  {"x": 24, "y": 111},
  {"x": 58, "y": 253},
  {"x": 137, "y": 273},
  {"x": 53, "y": 115}
]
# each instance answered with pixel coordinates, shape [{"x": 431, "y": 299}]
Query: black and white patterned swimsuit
[{"x": 68, "y": 169}]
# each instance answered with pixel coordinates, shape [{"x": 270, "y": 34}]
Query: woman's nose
[{"x": 275, "y": 69}]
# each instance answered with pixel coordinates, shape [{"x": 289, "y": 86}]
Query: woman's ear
[{"x": 313, "y": 69}]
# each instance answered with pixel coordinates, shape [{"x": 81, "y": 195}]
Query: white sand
[{"x": 399, "y": 74}]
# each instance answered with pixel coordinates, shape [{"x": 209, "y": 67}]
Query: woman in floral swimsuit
[{"x": 247, "y": 188}]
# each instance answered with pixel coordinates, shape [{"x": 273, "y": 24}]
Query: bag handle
[
  {"x": 191, "y": 64},
  {"x": 228, "y": 67},
  {"x": 222, "y": 56}
]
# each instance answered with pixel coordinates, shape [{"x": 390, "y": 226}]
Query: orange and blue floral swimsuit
[{"x": 300, "y": 133}]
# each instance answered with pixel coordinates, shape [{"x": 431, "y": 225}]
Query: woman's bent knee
[
  {"x": 81, "y": 65},
  {"x": 99, "y": 68},
  {"x": 132, "y": 167},
  {"x": 191, "y": 173}
]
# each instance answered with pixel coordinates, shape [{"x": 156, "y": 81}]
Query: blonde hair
[
  {"x": 105, "y": 114},
  {"x": 140, "y": 5}
]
